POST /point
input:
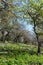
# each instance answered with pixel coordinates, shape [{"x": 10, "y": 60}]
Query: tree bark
[
  {"x": 3, "y": 38},
  {"x": 37, "y": 37}
]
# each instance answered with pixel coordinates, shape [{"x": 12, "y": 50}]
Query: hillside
[{"x": 19, "y": 54}]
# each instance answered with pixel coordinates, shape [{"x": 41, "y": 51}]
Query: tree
[
  {"x": 37, "y": 17},
  {"x": 35, "y": 10},
  {"x": 6, "y": 13}
]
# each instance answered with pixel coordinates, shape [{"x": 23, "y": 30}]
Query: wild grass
[{"x": 19, "y": 54}]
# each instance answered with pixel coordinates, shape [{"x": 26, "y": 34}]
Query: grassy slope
[{"x": 19, "y": 54}]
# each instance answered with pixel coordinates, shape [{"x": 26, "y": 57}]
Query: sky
[{"x": 28, "y": 26}]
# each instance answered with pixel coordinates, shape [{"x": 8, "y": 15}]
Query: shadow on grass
[
  {"x": 31, "y": 52},
  {"x": 18, "y": 51}
]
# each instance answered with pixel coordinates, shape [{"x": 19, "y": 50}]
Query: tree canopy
[{"x": 29, "y": 10}]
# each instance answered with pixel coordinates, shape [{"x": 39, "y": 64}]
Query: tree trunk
[
  {"x": 37, "y": 37},
  {"x": 3, "y": 37},
  {"x": 39, "y": 44}
]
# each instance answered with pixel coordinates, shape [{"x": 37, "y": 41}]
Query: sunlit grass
[{"x": 19, "y": 54}]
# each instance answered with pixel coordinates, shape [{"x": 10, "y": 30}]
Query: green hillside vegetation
[{"x": 19, "y": 54}]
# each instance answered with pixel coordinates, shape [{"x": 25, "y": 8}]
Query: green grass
[{"x": 19, "y": 54}]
